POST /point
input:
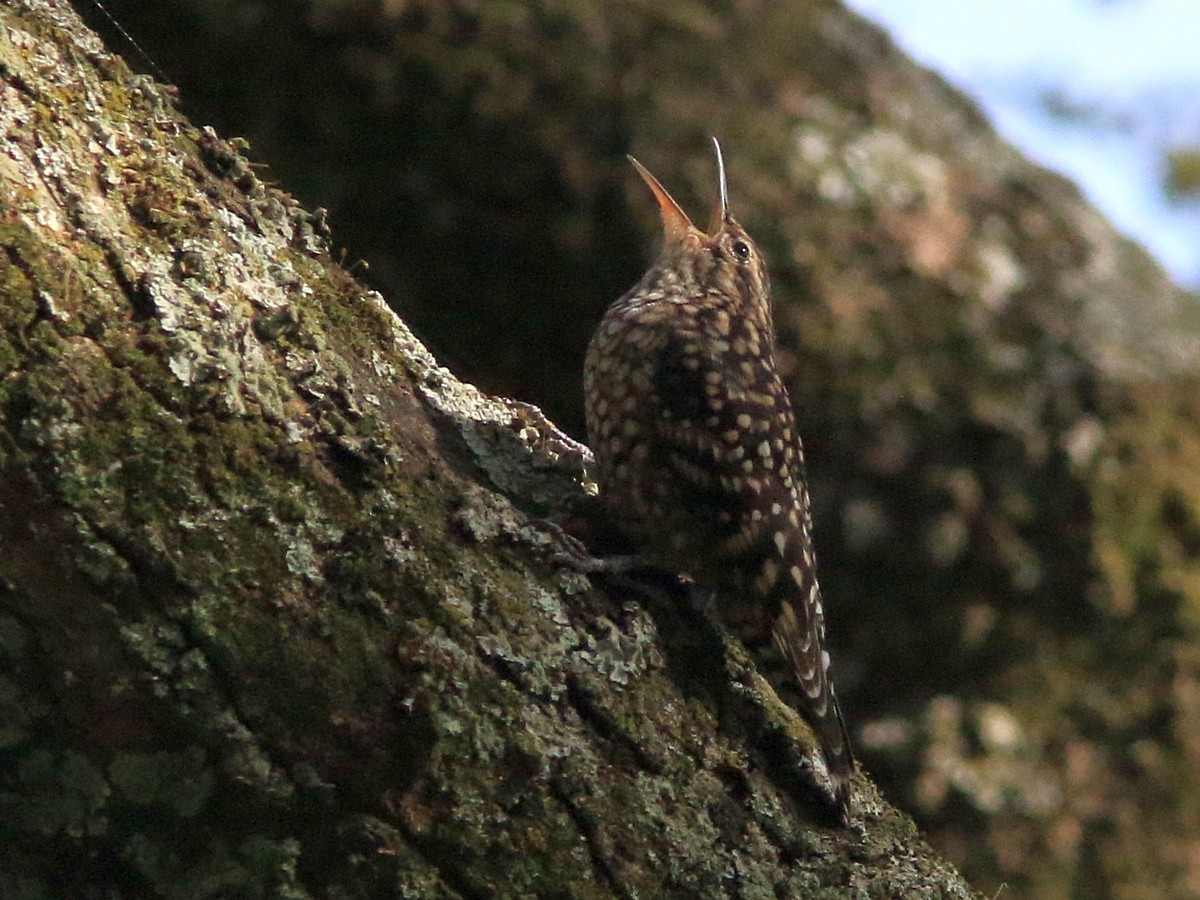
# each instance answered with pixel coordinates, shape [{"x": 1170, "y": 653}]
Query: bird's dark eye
[{"x": 741, "y": 250}]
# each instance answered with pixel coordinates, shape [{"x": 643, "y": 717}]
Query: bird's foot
[{"x": 573, "y": 554}]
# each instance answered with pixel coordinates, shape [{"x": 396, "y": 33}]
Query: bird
[{"x": 697, "y": 453}]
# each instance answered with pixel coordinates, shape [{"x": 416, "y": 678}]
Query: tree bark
[{"x": 278, "y": 615}]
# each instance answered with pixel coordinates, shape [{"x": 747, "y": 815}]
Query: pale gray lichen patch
[
  {"x": 485, "y": 515},
  {"x": 618, "y": 654},
  {"x": 207, "y": 310},
  {"x": 519, "y": 449}
]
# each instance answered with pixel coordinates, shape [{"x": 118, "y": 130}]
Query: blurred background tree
[
  {"x": 996, "y": 390},
  {"x": 1103, "y": 91}
]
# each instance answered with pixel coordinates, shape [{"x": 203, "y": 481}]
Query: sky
[{"x": 1127, "y": 73}]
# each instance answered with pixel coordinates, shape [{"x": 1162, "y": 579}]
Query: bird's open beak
[
  {"x": 675, "y": 221},
  {"x": 721, "y": 213}
]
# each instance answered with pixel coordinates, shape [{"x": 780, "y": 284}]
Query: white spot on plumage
[{"x": 781, "y": 544}]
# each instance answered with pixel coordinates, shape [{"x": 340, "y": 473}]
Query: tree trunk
[{"x": 278, "y": 617}]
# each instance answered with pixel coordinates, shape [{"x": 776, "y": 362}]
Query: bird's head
[{"x": 723, "y": 261}]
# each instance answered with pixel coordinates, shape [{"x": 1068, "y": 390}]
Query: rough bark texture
[{"x": 275, "y": 617}]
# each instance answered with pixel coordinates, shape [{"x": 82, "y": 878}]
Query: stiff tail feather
[{"x": 800, "y": 640}]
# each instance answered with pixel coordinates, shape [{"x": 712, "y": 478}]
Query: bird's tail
[
  {"x": 798, "y": 632},
  {"x": 780, "y": 617}
]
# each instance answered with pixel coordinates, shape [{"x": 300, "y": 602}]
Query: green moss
[
  {"x": 258, "y": 867},
  {"x": 18, "y": 713},
  {"x": 20, "y": 307},
  {"x": 180, "y": 781},
  {"x": 55, "y": 793}
]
